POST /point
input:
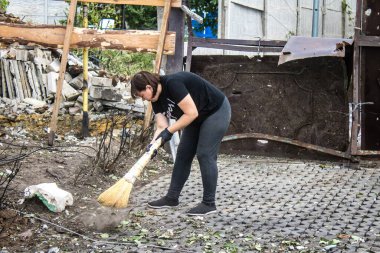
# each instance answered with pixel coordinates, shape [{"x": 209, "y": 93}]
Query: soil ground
[{"x": 28, "y": 227}]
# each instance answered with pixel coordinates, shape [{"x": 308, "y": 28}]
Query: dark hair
[{"x": 143, "y": 78}]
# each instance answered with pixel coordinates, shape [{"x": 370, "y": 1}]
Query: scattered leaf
[
  {"x": 104, "y": 236},
  {"x": 344, "y": 236},
  {"x": 356, "y": 239}
]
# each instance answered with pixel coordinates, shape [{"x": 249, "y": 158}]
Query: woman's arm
[
  {"x": 161, "y": 123},
  {"x": 190, "y": 113}
]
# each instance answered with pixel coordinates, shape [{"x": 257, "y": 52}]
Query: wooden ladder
[{"x": 66, "y": 47}]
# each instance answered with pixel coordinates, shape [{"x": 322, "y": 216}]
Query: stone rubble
[{"x": 29, "y": 74}]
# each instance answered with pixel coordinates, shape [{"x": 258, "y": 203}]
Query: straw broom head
[{"x": 118, "y": 194}]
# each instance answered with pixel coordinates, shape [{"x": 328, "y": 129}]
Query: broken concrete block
[
  {"x": 69, "y": 92},
  {"x": 98, "y": 106},
  {"x": 30, "y": 111},
  {"x": 54, "y": 66},
  {"x": 68, "y": 77},
  {"x": 12, "y": 53},
  {"x": 124, "y": 106},
  {"x": 77, "y": 82},
  {"x": 74, "y": 110},
  {"x": 80, "y": 99},
  {"x": 68, "y": 104},
  {"x": 45, "y": 54},
  {"x": 52, "y": 78},
  {"x": 109, "y": 94},
  {"x": 35, "y": 102},
  {"x": 21, "y": 55},
  {"x": 100, "y": 81}
]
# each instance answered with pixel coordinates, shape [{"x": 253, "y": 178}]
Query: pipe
[
  {"x": 288, "y": 141},
  {"x": 314, "y": 32}
]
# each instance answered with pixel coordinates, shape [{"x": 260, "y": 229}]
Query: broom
[{"x": 118, "y": 194}]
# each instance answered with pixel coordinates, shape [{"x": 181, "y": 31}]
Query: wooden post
[
  {"x": 160, "y": 48},
  {"x": 176, "y": 24},
  {"x": 66, "y": 47}
]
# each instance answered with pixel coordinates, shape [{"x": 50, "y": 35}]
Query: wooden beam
[
  {"x": 176, "y": 23},
  {"x": 174, "y": 3},
  {"x": 160, "y": 47},
  {"x": 53, "y": 36},
  {"x": 62, "y": 70},
  {"x": 367, "y": 41}
]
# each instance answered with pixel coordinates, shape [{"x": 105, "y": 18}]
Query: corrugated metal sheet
[{"x": 39, "y": 11}]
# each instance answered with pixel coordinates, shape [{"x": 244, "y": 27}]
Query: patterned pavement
[{"x": 266, "y": 205}]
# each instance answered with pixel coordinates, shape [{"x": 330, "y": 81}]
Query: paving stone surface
[{"x": 269, "y": 205}]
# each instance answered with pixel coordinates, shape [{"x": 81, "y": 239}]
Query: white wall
[
  {"x": 39, "y": 11},
  {"x": 279, "y": 19}
]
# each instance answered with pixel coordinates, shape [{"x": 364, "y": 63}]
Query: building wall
[
  {"x": 280, "y": 19},
  {"x": 39, "y": 11}
]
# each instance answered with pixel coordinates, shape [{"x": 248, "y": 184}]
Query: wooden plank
[
  {"x": 367, "y": 41},
  {"x": 53, "y": 36},
  {"x": 174, "y": 3},
  {"x": 160, "y": 48},
  {"x": 236, "y": 47},
  {"x": 356, "y": 84},
  {"x": 262, "y": 43},
  {"x": 176, "y": 23},
  {"x": 189, "y": 44},
  {"x": 62, "y": 70}
]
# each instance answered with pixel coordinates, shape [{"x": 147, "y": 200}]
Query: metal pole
[
  {"x": 123, "y": 17},
  {"x": 85, "y": 120},
  {"x": 314, "y": 32}
]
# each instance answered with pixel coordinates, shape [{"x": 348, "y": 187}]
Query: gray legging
[{"x": 201, "y": 139}]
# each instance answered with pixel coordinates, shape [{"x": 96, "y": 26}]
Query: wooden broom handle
[{"x": 138, "y": 167}]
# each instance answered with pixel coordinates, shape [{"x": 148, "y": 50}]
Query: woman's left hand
[{"x": 165, "y": 136}]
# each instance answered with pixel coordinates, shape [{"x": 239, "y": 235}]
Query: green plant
[
  {"x": 136, "y": 17},
  {"x": 123, "y": 63},
  {"x": 4, "y": 4},
  {"x": 346, "y": 8}
]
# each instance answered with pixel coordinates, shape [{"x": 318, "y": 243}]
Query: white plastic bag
[{"x": 54, "y": 198}]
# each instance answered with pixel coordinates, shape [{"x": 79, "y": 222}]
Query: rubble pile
[
  {"x": 29, "y": 74},
  {"x": 9, "y": 18}
]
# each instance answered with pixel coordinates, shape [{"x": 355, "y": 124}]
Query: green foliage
[
  {"x": 4, "y": 4},
  {"x": 206, "y": 6},
  {"x": 136, "y": 17},
  {"x": 141, "y": 17},
  {"x": 117, "y": 62}
]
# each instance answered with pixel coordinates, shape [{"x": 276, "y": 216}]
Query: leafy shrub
[{"x": 4, "y": 4}]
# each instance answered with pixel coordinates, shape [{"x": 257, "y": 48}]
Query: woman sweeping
[{"x": 203, "y": 113}]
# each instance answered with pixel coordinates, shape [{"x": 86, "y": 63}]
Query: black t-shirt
[{"x": 175, "y": 87}]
